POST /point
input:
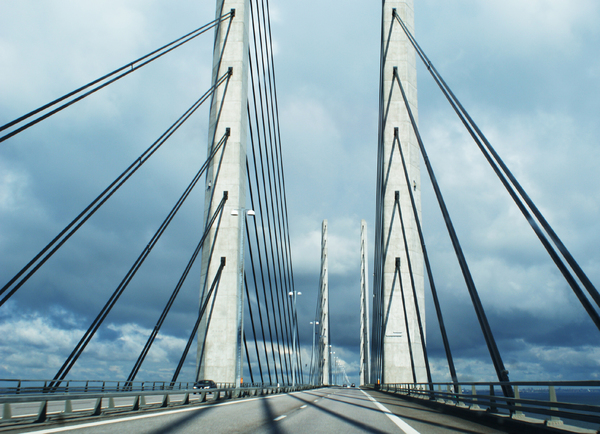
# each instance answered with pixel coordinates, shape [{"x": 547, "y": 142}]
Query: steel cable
[
  {"x": 501, "y": 371},
  {"x": 173, "y": 296},
  {"x": 282, "y": 318},
  {"x": 26, "y": 272},
  {"x": 124, "y": 70},
  {"x": 432, "y": 287},
  {"x": 213, "y": 287},
  {"x": 89, "y": 334},
  {"x": 476, "y": 134}
]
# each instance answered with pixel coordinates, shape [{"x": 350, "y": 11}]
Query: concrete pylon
[
  {"x": 218, "y": 333},
  {"x": 365, "y": 343},
  {"x": 324, "y": 346},
  {"x": 393, "y": 360}
]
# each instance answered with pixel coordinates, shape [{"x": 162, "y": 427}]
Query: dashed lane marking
[
  {"x": 152, "y": 415},
  {"x": 399, "y": 422},
  {"x": 280, "y": 417}
]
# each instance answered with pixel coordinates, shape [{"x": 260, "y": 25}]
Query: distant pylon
[
  {"x": 365, "y": 344},
  {"x": 390, "y": 352},
  {"x": 219, "y": 333},
  {"x": 324, "y": 353}
]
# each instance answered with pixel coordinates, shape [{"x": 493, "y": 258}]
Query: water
[{"x": 579, "y": 396}]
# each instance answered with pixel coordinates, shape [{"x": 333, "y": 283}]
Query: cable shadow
[
  {"x": 179, "y": 423},
  {"x": 270, "y": 416},
  {"x": 399, "y": 402},
  {"x": 425, "y": 410},
  {"x": 362, "y": 426}
]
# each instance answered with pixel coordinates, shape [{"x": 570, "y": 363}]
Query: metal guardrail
[
  {"x": 9, "y": 386},
  {"x": 481, "y": 396},
  {"x": 104, "y": 393}
]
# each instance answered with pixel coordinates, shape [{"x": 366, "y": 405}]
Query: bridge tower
[
  {"x": 392, "y": 360},
  {"x": 324, "y": 350},
  {"x": 220, "y": 332}
]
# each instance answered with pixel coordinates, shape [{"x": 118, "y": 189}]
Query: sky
[{"x": 528, "y": 73}]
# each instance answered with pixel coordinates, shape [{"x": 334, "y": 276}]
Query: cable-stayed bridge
[{"x": 246, "y": 326}]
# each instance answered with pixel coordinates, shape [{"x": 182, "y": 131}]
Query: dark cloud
[{"x": 527, "y": 78}]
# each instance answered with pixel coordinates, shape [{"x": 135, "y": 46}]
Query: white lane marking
[
  {"x": 304, "y": 406},
  {"x": 399, "y": 422},
  {"x": 280, "y": 417},
  {"x": 163, "y": 413}
]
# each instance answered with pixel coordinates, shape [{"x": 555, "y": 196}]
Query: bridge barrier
[
  {"x": 533, "y": 402},
  {"x": 136, "y": 395}
]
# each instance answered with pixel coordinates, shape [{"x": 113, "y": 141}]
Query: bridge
[{"x": 474, "y": 313}]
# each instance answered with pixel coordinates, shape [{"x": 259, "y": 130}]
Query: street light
[
  {"x": 312, "y": 353},
  {"x": 294, "y": 294},
  {"x": 332, "y": 371},
  {"x": 240, "y": 293}
]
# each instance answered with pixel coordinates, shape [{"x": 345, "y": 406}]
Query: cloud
[
  {"x": 26, "y": 336},
  {"x": 522, "y": 70}
]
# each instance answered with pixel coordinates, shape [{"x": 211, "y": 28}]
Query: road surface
[{"x": 327, "y": 410}]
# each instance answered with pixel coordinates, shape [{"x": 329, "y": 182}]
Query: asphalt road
[{"x": 328, "y": 410}]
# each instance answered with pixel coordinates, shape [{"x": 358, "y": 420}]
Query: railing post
[
  {"x": 440, "y": 398},
  {"x": 492, "y": 408},
  {"x": 517, "y": 414},
  {"x": 474, "y": 406},
  {"x": 68, "y": 407},
  {"x": 6, "y": 413},
  {"x": 554, "y": 420},
  {"x": 459, "y": 394},
  {"x": 98, "y": 407},
  {"x": 41, "y": 417}
]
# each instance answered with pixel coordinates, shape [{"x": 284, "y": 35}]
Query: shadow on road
[
  {"x": 269, "y": 416},
  {"x": 182, "y": 421},
  {"x": 356, "y": 423}
]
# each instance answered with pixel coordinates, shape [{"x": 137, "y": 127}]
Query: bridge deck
[{"x": 324, "y": 410}]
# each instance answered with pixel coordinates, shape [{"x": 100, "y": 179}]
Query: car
[
  {"x": 344, "y": 385},
  {"x": 352, "y": 385},
  {"x": 205, "y": 384}
]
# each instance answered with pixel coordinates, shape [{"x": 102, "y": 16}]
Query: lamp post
[
  {"x": 240, "y": 294},
  {"x": 329, "y": 375},
  {"x": 294, "y": 294},
  {"x": 332, "y": 373},
  {"x": 312, "y": 354}
]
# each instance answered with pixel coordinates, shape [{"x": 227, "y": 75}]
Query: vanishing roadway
[{"x": 327, "y": 410}]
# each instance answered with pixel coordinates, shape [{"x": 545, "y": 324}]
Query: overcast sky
[{"x": 529, "y": 74}]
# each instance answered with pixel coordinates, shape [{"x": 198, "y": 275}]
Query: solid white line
[
  {"x": 162, "y": 413},
  {"x": 399, "y": 422},
  {"x": 280, "y": 417}
]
